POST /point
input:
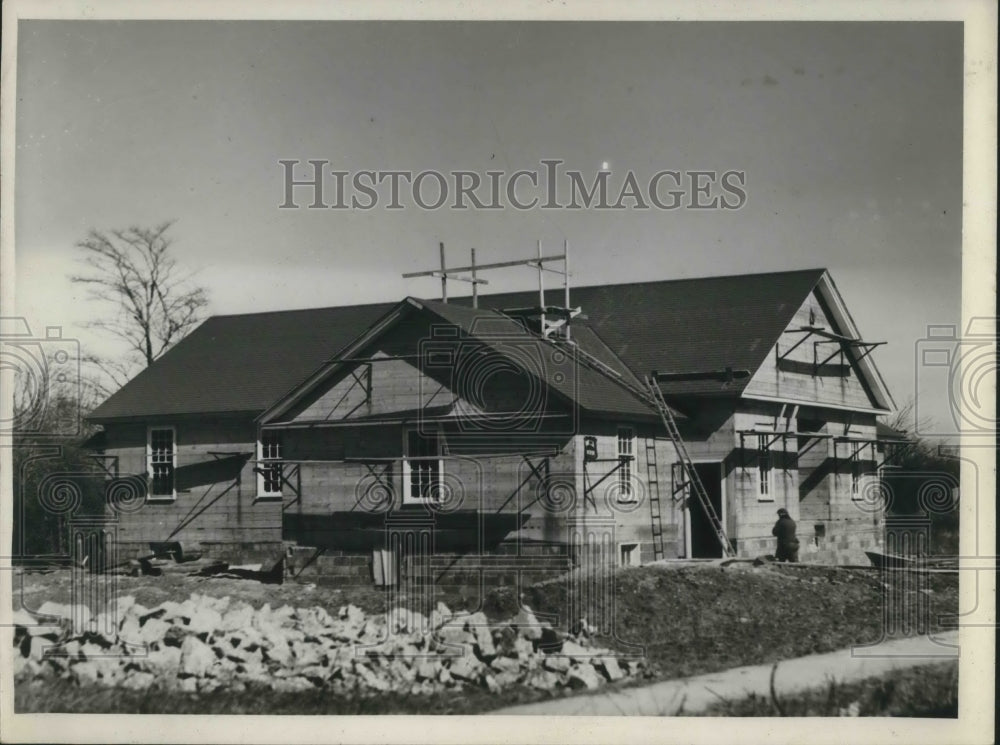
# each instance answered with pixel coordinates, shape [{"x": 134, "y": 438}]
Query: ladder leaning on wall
[
  {"x": 651, "y": 394},
  {"x": 653, "y": 489},
  {"x": 653, "y": 397}
]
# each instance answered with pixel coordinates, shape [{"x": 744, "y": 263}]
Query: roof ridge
[
  {"x": 311, "y": 309},
  {"x": 677, "y": 280},
  {"x": 245, "y": 361}
]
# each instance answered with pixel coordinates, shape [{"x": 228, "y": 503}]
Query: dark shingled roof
[
  {"x": 244, "y": 363},
  {"x": 688, "y": 325},
  {"x": 573, "y": 377},
  {"x": 240, "y": 363}
]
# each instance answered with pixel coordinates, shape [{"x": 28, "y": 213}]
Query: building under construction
[{"x": 518, "y": 433}]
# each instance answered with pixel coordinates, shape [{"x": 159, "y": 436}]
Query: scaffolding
[
  {"x": 562, "y": 314},
  {"x": 766, "y": 440},
  {"x": 648, "y": 392},
  {"x": 826, "y": 337}
]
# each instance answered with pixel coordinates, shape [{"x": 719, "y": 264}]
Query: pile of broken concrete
[{"x": 206, "y": 643}]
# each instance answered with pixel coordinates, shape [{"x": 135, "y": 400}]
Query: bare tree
[{"x": 155, "y": 305}]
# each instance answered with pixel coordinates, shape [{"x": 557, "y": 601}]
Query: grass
[
  {"x": 696, "y": 620},
  {"x": 924, "y": 691},
  {"x": 685, "y": 620},
  {"x": 61, "y": 696}
]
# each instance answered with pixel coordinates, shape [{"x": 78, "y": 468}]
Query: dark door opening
[{"x": 704, "y": 541}]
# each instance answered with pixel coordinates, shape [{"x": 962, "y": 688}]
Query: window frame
[
  {"x": 409, "y": 470},
  {"x": 626, "y": 458},
  {"x": 150, "y": 496},
  {"x": 764, "y": 468},
  {"x": 264, "y": 463}
]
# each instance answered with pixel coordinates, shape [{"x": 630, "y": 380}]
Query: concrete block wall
[
  {"x": 708, "y": 437},
  {"x": 506, "y": 567},
  {"x": 755, "y": 513},
  {"x": 834, "y": 525},
  {"x": 848, "y": 525},
  {"x": 216, "y": 506},
  {"x": 507, "y": 484}
]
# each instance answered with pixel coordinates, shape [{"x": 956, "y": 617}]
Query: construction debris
[
  {"x": 156, "y": 566},
  {"x": 206, "y": 643}
]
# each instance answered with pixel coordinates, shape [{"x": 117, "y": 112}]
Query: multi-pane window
[
  {"x": 161, "y": 456},
  {"x": 269, "y": 466},
  {"x": 422, "y": 467},
  {"x": 764, "y": 485},
  {"x": 855, "y": 478},
  {"x": 626, "y": 457}
]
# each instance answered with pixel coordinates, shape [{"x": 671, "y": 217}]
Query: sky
[{"x": 849, "y": 135}]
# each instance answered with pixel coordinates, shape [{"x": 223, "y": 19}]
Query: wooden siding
[
  {"x": 794, "y": 377},
  {"x": 410, "y": 369}
]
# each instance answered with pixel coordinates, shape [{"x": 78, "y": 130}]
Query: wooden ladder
[
  {"x": 697, "y": 487},
  {"x": 653, "y": 397},
  {"x": 653, "y": 487}
]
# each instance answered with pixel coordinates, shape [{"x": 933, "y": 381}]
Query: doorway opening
[{"x": 703, "y": 543}]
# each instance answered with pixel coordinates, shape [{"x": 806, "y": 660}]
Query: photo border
[{"x": 975, "y": 722}]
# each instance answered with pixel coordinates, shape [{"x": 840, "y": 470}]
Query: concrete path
[{"x": 701, "y": 691}]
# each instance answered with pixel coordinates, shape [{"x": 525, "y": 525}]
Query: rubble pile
[{"x": 206, "y": 643}]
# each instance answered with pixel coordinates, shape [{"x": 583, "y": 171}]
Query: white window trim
[
  {"x": 150, "y": 497},
  {"x": 626, "y": 495},
  {"x": 261, "y": 492},
  {"x": 408, "y": 470},
  {"x": 764, "y": 496},
  {"x": 723, "y": 512}
]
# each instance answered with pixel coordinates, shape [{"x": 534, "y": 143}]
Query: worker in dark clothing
[{"x": 788, "y": 544}]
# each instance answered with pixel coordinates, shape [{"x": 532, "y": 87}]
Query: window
[
  {"x": 423, "y": 468},
  {"x": 161, "y": 461},
  {"x": 764, "y": 485},
  {"x": 856, "y": 478},
  {"x": 269, "y": 466},
  {"x": 626, "y": 456}
]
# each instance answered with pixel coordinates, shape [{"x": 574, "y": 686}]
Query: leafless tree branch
[{"x": 153, "y": 304}]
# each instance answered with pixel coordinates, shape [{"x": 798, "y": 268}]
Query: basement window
[
  {"x": 269, "y": 464},
  {"x": 626, "y": 456},
  {"x": 764, "y": 470},
  {"x": 161, "y": 462},
  {"x": 423, "y": 468}
]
